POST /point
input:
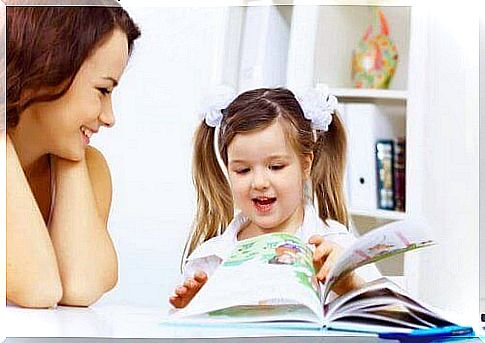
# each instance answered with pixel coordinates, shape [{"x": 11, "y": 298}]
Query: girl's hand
[
  {"x": 324, "y": 258},
  {"x": 185, "y": 293}
]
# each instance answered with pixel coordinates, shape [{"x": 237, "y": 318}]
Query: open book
[{"x": 271, "y": 278}]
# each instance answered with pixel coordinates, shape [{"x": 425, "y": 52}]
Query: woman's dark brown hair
[{"x": 46, "y": 47}]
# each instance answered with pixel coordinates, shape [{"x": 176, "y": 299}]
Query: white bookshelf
[
  {"x": 380, "y": 214},
  {"x": 369, "y": 94},
  {"x": 383, "y": 98},
  {"x": 333, "y": 31},
  {"x": 320, "y": 52}
]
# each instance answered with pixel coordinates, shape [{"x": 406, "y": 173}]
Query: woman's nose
[{"x": 107, "y": 117}]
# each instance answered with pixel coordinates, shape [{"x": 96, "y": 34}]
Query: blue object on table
[{"x": 432, "y": 334}]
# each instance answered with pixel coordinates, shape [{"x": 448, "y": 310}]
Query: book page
[
  {"x": 383, "y": 242},
  {"x": 384, "y": 303},
  {"x": 268, "y": 276}
]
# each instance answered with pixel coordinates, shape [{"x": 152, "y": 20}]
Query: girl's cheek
[{"x": 240, "y": 192}]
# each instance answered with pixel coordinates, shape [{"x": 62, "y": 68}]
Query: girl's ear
[{"x": 307, "y": 165}]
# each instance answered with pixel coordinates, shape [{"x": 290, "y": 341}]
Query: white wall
[
  {"x": 482, "y": 163},
  {"x": 149, "y": 148},
  {"x": 448, "y": 118},
  {"x": 264, "y": 47}
]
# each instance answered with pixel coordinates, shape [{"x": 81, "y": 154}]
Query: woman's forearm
[
  {"x": 32, "y": 273},
  {"x": 85, "y": 253}
]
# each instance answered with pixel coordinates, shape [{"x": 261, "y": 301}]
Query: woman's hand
[
  {"x": 185, "y": 293},
  {"x": 324, "y": 259}
]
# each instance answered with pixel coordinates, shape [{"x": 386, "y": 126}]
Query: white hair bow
[
  {"x": 318, "y": 106},
  {"x": 218, "y": 99}
]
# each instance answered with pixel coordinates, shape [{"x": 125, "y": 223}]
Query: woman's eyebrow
[{"x": 115, "y": 82}]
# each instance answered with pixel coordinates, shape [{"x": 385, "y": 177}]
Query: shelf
[
  {"x": 380, "y": 214},
  {"x": 375, "y": 94}
]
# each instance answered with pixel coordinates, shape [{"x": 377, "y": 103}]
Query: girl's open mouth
[{"x": 263, "y": 204}]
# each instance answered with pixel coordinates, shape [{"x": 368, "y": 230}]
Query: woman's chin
[{"x": 74, "y": 156}]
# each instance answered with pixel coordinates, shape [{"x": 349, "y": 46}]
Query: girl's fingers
[
  {"x": 200, "y": 277},
  {"x": 185, "y": 293},
  {"x": 316, "y": 239},
  {"x": 322, "y": 247},
  {"x": 323, "y": 250},
  {"x": 328, "y": 264},
  {"x": 174, "y": 301},
  {"x": 178, "y": 302},
  {"x": 323, "y": 272},
  {"x": 193, "y": 285},
  {"x": 190, "y": 283},
  {"x": 181, "y": 291}
]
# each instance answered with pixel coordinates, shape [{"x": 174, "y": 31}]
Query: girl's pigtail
[
  {"x": 328, "y": 172},
  {"x": 214, "y": 201}
]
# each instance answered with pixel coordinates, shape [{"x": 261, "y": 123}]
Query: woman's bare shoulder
[
  {"x": 100, "y": 179},
  {"x": 96, "y": 161}
]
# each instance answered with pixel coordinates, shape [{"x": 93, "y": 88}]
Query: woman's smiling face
[
  {"x": 68, "y": 123},
  {"x": 266, "y": 178}
]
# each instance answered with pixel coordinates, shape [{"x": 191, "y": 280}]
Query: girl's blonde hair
[{"x": 255, "y": 110}]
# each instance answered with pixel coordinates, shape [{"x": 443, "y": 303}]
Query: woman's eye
[
  {"x": 276, "y": 167},
  {"x": 104, "y": 91}
]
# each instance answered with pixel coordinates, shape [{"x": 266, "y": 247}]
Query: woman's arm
[
  {"x": 32, "y": 273},
  {"x": 85, "y": 253}
]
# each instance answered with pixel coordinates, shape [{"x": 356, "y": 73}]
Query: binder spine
[
  {"x": 400, "y": 174},
  {"x": 385, "y": 172}
]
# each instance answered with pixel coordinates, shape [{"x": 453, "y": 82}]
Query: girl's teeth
[{"x": 264, "y": 201}]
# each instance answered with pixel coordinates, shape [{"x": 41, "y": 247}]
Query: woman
[{"x": 62, "y": 66}]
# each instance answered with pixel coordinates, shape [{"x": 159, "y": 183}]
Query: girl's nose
[
  {"x": 107, "y": 117},
  {"x": 260, "y": 180}
]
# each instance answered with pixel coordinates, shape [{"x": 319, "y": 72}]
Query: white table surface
[{"x": 117, "y": 321}]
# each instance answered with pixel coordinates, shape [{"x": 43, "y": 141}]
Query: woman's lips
[
  {"x": 86, "y": 134},
  {"x": 84, "y": 138},
  {"x": 264, "y": 204}
]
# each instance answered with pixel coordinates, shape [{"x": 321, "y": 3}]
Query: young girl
[{"x": 278, "y": 151}]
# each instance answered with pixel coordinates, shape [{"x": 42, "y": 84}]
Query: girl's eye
[
  {"x": 276, "y": 167},
  {"x": 242, "y": 171},
  {"x": 104, "y": 91}
]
